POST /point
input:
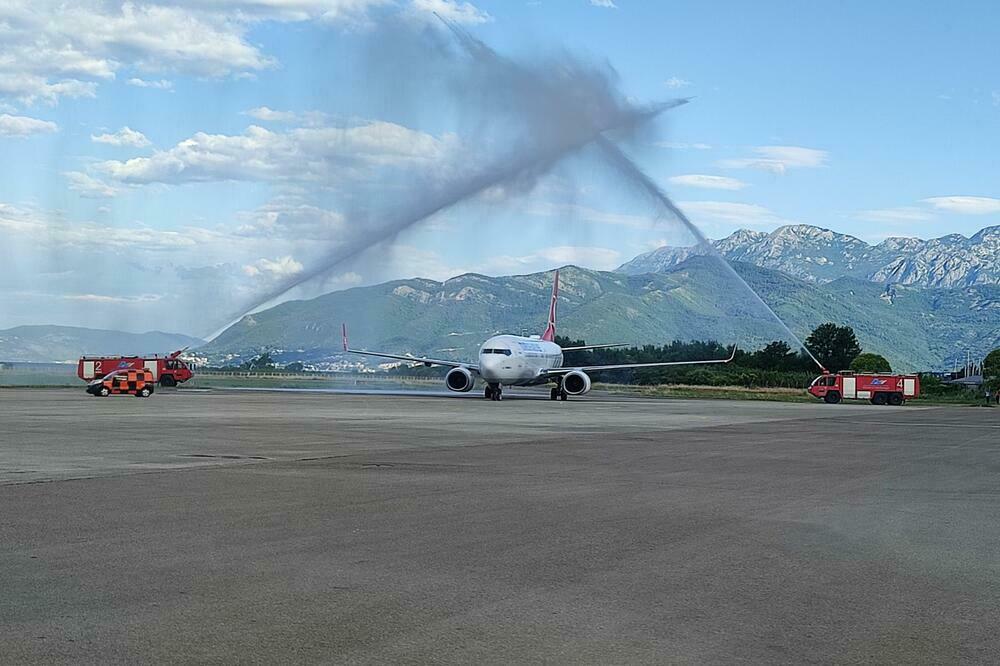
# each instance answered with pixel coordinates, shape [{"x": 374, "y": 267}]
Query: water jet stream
[
  {"x": 477, "y": 49},
  {"x": 631, "y": 171},
  {"x": 516, "y": 166}
]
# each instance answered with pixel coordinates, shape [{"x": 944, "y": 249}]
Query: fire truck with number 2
[
  {"x": 168, "y": 370},
  {"x": 877, "y": 388}
]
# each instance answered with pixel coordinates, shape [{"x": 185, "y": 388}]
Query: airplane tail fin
[{"x": 550, "y": 328}]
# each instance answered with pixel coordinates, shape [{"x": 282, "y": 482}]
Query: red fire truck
[
  {"x": 877, "y": 388},
  {"x": 168, "y": 370}
]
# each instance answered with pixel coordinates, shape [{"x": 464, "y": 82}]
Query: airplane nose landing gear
[{"x": 493, "y": 392}]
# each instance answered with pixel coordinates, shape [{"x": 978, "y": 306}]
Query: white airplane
[{"x": 516, "y": 360}]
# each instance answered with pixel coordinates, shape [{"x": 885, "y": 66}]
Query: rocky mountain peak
[
  {"x": 821, "y": 255},
  {"x": 988, "y": 235}
]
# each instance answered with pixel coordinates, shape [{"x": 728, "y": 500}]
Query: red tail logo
[{"x": 550, "y": 329}]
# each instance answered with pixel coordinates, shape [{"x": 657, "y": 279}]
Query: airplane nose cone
[{"x": 491, "y": 365}]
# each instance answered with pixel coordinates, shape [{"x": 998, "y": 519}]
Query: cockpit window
[{"x": 505, "y": 352}]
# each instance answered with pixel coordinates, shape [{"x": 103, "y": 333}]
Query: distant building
[
  {"x": 972, "y": 381},
  {"x": 971, "y": 375}
]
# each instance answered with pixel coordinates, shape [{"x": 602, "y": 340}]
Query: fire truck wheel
[
  {"x": 168, "y": 380},
  {"x": 879, "y": 399},
  {"x": 105, "y": 392},
  {"x": 895, "y": 399},
  {"x": 832, "y": 398}
]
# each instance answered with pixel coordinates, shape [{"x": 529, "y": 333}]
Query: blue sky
[{"x": 165, "y": 163}]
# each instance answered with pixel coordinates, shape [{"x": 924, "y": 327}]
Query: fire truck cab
[{"x": 877, "y": 388}]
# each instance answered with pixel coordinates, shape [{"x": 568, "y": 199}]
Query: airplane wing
[
  {"x": 626, "y": 366},
  {"x": 417, "y": 359},
  {"x": 409, "y": 357},
  {"x": 589, "y": 347}
]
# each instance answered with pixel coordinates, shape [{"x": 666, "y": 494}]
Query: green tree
[
  {"x": 870, "y": 363},
  {"x": 776, "y": 355},
  {"x": 834, "y": 346},
  {"x": 991, "y": 370}
]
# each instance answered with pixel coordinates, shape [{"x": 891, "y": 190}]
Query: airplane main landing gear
[
  {"x": 493, "y": 392},
  {"x": 557, "y": 393}
]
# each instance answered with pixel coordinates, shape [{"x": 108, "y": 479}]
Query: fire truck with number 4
[
  {"x": 877, "y": 388},
  {"x": 168, "y": 370}
]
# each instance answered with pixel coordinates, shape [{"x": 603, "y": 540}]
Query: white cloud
[
  {"x": 655, "y": 243},
  {"x": 607, "y": 4},
  {"x": 329, "y": 154},
  {"x": 708, "y": 182},
  {"x": 402, "y": 259},
  {"x": 48, "y": 229},
  {"x": 264, "y": 113},
  {"x": 30, "y": 88},
  {"x": 24, "y": 126},
  {"x": 103, "y": 298},
  {"x": 450, "y": 10},
  {"x": 682, "y": 146},
  {"x": 674, "y": 83},
  {"x": 778, "y": 159},
  {"x": 308, "y": 118},
  {"x": 900, "y": 214},
  {"x": 51, "y": 49},
  {"x": 597, "y": 258},
  {"x": 162, "y": 84},
  {"x": 126, "y": 136},
  {"x": 348, "y": 279},
  {"x": 294, "y": 221},
  {"x": 742, "y": 214},
  {"x": 591, "y": 257},
  {"x": 965, "y": 205},
  {"x": 279, "y": 268},
  {"x": 89, "y": 187}
]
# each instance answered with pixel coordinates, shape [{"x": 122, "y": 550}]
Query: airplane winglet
[
  {"x": 733, "y": 355},
  {"x": 344, "y": 331}
]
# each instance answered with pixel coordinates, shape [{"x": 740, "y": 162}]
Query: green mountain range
[{"x": 915, "y": 328}]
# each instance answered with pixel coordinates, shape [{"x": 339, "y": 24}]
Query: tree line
[{"x": 774, "y": 365}]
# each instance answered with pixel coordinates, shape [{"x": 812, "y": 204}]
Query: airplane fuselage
[{"x": 514, "y": 360}]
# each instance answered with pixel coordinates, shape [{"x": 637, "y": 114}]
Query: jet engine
[
  {"x": 461, "y": 380},
  {"x": 576, "y": 382}
]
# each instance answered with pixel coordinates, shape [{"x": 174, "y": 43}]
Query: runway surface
[{"x": 260, "y": 527}]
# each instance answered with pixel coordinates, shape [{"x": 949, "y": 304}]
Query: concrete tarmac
[{"x": 262, "y": 527}]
